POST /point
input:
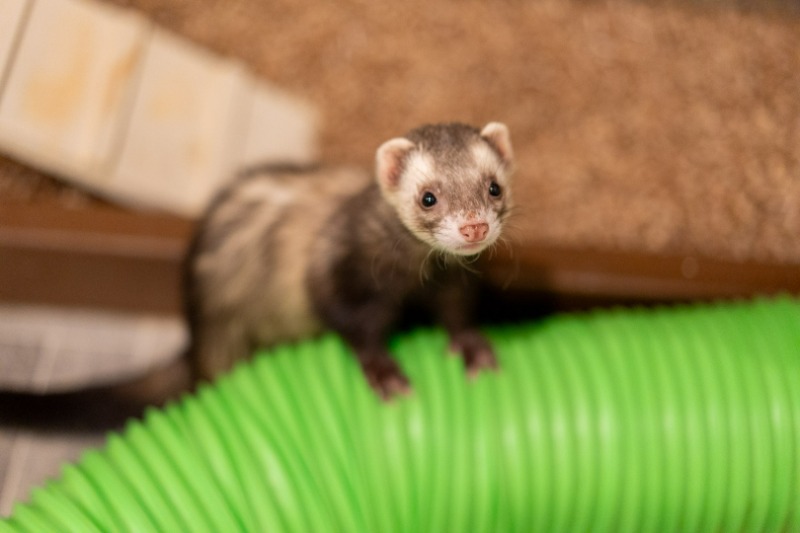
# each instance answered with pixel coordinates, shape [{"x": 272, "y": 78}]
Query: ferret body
[{"x": 284, "y": 254}]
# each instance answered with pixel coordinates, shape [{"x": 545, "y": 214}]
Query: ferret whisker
[
  {"x": 423, "y": 270},
  {"x": 510, "y": 233},
  {"x": 472, "y": 259},
  {"x": 467, "y": 264},
  {"x": 506, "y": 242},
  {"x": 373, "y": 270},
  {"x": 510, "y": 213},
  {"x": 441, "y": 258},
  {"x": 492, "y": 250},
  {"x": 396, "y": 245}
]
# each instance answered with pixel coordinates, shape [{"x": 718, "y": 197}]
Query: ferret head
[{"x": 450, "y": 184}]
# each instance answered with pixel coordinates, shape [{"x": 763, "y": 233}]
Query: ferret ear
[
  {"x": 496, "y": 134},
  {"x": 390, "y": 160}
]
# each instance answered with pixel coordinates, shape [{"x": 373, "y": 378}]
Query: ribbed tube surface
[{"x": 683, "y": 419}]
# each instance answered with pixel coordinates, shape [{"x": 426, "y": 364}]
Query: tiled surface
[
  {"x": 11, "y": 16},
  {"x": 39, "y": 434},
  {"x": 99, "y": 95},
  {"x": 280, "y": 127},
  {"x": 28, "y": 458},
  {"x": 50, "y": 349},
  {"x": 179, "y": 142},
  {"x": 67, "y": 94}
]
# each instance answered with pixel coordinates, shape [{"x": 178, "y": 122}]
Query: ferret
[{"x": 284, "y": 253}]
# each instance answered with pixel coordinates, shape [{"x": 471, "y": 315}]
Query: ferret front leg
[
  {"x": 217, "y": 345},
  {"x": 365, "y": 329},
  {"x": 475, "y": 350},
  {"x": 456, "y": 302},
  {"x": 383, "y": 373}
]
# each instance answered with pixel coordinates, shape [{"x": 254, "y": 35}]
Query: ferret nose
[{"x": 474, "y": 232}]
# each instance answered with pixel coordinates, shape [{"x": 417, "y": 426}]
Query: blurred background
[
  {"x": 658, "y": 160},
  {"x": 653, "y": 127}
]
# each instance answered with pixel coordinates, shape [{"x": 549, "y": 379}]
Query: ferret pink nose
[{"x": 474, "y": 232}]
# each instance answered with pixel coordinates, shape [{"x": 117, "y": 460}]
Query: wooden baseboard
[
  {"x": 95, "y": 257},
  {"x": 103, "y": 256},
  {"x": 636, "y": 276}
]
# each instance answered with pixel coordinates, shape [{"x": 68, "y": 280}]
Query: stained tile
[
  {"x": 281, "y": 128},
  {"x": 11, "y": 21},
  {"x": 70, "y": 85},
  {"x": 33, "y": 457},
  {"x": 179, "y": 145},
  {"x": 96, "y": 94}
]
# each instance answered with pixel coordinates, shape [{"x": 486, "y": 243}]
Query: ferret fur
[{"x": 283, "y": 254}]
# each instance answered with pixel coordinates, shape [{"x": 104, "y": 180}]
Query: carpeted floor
[{"x": 647, "y": 127}]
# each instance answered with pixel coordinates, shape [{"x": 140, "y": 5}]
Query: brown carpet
[{"x": 638, "y": 127}]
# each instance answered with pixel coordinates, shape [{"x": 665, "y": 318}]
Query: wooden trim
[
  {"x": 103, "y": 256},
  {"x": 96, "y": 257},
  {"x": 619, "y": 275}
]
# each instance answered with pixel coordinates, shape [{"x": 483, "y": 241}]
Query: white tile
[
  {"x": 97, "y": 95},
  {"x": 70, "y": 86},
  {"x": 281, "y": 128},
  {"x": 36, "y": 456},
  {"x": 11, "y": 16},
  {"x": 179, "y": 146},
  {"x": 50, "y": 349}
]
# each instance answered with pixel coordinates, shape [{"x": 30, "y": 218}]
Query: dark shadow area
[
  {"x": 770, "y": 7},
  {"x": 109, "y": 407},
  {"x": 97, "y": 409},
  {"x": 89, "y": 410}
]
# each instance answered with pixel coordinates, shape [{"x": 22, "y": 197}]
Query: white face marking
[
  {"x": 461, "y": 188},
  {"x": 419, "y": 170},
  {"x": 449, "y": 237},
  {"x": 487, "y": 160}
]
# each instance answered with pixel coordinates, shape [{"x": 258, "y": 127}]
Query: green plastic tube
[{"x": 679, "y": 419}]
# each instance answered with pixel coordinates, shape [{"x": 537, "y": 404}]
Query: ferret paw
[
  {"x": 478, "y": 361},
  {"x": 385, "y": 376},
  {"x": 476, "y": 352}
]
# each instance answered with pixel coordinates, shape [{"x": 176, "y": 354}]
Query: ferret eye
[
  {"x": 494, "y": 189},
  {"x": 428, "y": 200}
]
